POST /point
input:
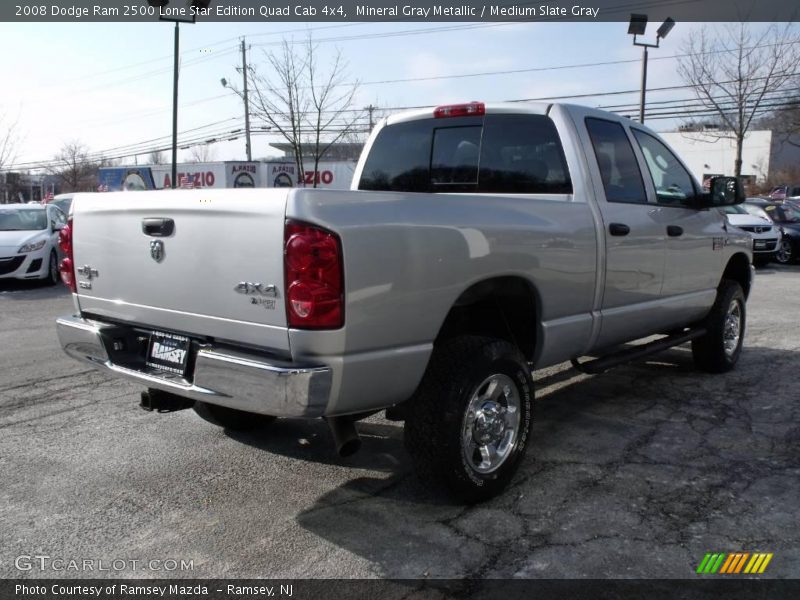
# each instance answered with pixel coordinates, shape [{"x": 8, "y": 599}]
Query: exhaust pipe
[
  {"x": 163, "y": 402},
  {"x": 345, "y": 435}
]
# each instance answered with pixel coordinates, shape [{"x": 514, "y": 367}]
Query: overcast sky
[{"x": 109, "y": 85}]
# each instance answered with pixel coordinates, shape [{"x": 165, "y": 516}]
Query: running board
[{"x": 604, "y": 363}]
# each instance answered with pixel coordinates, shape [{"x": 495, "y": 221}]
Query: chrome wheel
[
  {"x": 784, "y": 253},
  {"x": 732, "y": 330},
  {"x": 491, "y": 424}
]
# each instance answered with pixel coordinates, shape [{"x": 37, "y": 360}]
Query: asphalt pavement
[{"x": 638, "y": 472}]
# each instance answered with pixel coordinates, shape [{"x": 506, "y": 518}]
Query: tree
[
  {"x": 73, "y": 166},
  {"x": 785, "y": 121},
  {"x": 8, "y": 141},
  {"x": 737, "y": 74},
  {"x": 307, "y": 103},
  {"x": 201, "y": 153},
  {"x": 157, "y": 158}
]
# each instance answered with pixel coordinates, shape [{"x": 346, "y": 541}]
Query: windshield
[
  {"x": 756, "y": 211},
  {"x": 736, "y": 209},
  {"x": 23, "y": 220}
]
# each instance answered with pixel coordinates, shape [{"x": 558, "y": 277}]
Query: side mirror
[{"x": 724, "y": 191}]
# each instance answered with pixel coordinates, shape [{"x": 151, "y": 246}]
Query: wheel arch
[
  {"x": 504, "y": 307},
  {"x": 738, "y": 269}
]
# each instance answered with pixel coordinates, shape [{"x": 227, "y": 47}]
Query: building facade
[{"x": 766, "y": 156}]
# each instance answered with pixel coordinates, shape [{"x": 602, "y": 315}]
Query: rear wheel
[
  {"x": 718, "y": 350},
  {"x": 785, "y": 253},
  {"x": 468, "y": 424},
  {"x": 230, "y": 418}
]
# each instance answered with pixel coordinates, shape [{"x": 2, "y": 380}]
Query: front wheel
[
  {"x": 785, "y": 253},
  {"x": 718, "y": 350},
  {"x": 468, "y": 424},
  {"x": 53, "y": 274}
]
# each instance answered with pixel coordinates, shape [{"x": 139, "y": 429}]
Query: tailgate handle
[{"x": 158, "y": 227}]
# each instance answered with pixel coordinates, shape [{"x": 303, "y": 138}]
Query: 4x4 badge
[{"x": 157, "y": 250}]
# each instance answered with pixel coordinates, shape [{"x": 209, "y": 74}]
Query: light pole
[
  {"x": 177, "y": 20},
  {"x": 636, "y": 27}
]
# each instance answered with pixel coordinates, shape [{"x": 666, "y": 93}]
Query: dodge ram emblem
[{"x": 157, "y": 250}]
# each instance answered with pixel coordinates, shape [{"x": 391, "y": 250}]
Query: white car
[
  {"x": 29, "y": 241},
  {"x": 766, "y": 236}
]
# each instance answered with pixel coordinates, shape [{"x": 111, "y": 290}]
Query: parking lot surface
[{"x": 638, "y": 472}]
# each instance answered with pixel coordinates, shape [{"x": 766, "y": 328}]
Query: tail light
[
  {"x": 473, "y": 109},
  {"x": 67, "y": 266},
  {"x": 314, "y": 277}
]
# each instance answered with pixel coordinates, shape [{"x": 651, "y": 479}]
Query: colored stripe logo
[{"x": 734, "y": 563}]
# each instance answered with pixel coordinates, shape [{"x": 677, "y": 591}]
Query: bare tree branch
[
  {"x": 307, "y": 103},
  {"x": 72, "y": 165},
  {"x": 8, "y": 141},
  {"x": 732, "y": 74},
  {"x": 201, "y": 153}
]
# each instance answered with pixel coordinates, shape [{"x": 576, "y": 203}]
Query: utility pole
[
  {"x": 370, "y": 109},
  {"x": 246, "y": 104}
]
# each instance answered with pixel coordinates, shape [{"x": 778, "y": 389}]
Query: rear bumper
[{"x": 240, "y": 379}]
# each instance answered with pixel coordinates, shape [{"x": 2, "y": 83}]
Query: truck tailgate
[{"x": 188, "y": 280}]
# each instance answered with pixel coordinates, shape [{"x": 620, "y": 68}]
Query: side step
[{"x": 604, "y": 363}]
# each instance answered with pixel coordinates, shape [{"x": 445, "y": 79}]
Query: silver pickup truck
[{"x": 478, "y": 242}]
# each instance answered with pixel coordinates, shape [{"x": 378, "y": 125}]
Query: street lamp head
[
  {"x": 637, "y": 24},
  {"x": 224, "y": 82},
  {"x": 665, "y": 28}
]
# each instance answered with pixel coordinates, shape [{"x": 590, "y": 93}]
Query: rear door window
[
  {"x": 523, "y": 154},
  {"x": 622, "y": 180},
  {"x": 496, "y": 154}
]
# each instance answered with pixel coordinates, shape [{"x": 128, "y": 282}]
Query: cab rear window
[{"x": 494, "y": 154}]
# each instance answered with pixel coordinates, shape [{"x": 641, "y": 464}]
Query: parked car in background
[
  {"x": 782, "y": 192},
  {"x": 793, "y": 202},
  {"x": 63, "y": 202},
  {"x": 766, "y": 236},
  {"x": 29, "y": 241},
  {"x": 786, "y": 216}
]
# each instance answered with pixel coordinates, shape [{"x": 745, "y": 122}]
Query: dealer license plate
[{"x": 168, "y": 352}]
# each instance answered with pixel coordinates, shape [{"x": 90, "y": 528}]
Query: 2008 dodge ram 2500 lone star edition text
[{"x": 477, "y": 242}]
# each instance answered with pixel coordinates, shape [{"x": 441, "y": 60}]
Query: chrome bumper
[{"x": 237, "y": 379}]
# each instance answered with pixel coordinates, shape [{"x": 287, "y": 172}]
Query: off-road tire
[
  {"x": 230, "y": 418},
  {"x": 709, "y": 351},
  {"x": 437, "y": 415}
]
